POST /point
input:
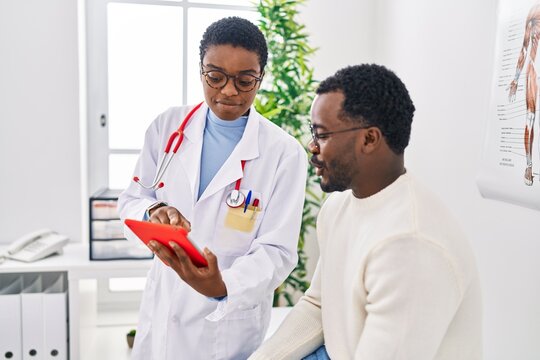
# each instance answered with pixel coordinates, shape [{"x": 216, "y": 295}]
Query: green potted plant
[
  {"x": 130, "y": 337},
  {"x": 285, "y": 98}
]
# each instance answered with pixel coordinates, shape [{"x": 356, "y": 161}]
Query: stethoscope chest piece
[{"x": 235, "y": 199}]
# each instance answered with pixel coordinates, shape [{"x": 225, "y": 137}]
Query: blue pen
[{"x": 248, "y": 198}]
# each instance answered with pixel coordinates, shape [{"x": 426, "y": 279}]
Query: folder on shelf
[
  {"x": 10, "y": 317},
  {"x": 55, "y": 318},
  {"x": 32, "y": 318}
]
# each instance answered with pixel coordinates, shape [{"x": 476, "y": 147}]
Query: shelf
[
  {"x": 75, "y": 261},
  {"x": 107, "y": 194},
  {"x": 108, "y": 239}
]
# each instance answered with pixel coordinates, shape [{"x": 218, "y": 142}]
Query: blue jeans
[{"x": 319, "y": 354}]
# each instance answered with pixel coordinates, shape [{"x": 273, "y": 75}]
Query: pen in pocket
[
  {"x": 248, "y": 198},
  {"x": 255, "y": 208}
]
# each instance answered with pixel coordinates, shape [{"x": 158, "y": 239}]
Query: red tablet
[{"x": 162, "y": 233}]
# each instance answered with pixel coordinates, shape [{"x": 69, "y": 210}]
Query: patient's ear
[{"x": 372, "y": 139}]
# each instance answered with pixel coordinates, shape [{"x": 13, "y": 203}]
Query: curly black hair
[
  {"x": 237, "y": 32},
  {"x": 374, "y": 96}
]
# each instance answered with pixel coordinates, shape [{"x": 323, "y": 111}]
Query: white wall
[
  {"x": 39, "y": 118},
  {"x": 342, "y": 30},
  {"x": 444, "y": 53}
]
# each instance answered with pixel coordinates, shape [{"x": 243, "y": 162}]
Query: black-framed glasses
[
  {"x": 325, "y": 135},
  {"x": 218, "y": 79}
]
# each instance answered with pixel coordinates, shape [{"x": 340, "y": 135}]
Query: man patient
[{"x": 396, "y": 277}]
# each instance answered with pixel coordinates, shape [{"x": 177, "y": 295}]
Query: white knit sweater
[{"x": 396, "y": 280}]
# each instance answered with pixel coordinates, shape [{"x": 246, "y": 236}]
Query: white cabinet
[{"x": 75, "y": 265}]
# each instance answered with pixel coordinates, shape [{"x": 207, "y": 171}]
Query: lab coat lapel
[
  {"x": 190, "y": 158},
  {"x": 246, "y": 149}
]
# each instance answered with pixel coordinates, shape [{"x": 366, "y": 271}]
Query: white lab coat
[{"x": 175, "y": 321}]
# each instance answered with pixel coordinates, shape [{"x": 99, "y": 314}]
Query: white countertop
[{"x": 75, "y": 260}]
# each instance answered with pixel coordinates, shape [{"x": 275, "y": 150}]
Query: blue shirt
[{"x": 219, "y": 140}]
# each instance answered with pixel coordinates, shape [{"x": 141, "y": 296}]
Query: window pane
[
  {"x": 144, "y": 68},
  {"x": 121, "y": 168},
  {"x": 225, "y": 2},
  {"x": 199, "y": 20}
]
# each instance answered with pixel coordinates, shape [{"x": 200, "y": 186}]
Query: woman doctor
[{"x": 237, "y": 183}]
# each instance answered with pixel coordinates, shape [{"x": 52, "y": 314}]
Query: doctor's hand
[
  {"x": 206, "y": 280},
  {"x": 169, "y": 215}
]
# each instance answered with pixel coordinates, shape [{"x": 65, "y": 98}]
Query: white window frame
[{"x": 97, "y": 113}]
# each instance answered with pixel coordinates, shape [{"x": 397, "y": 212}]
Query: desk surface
[{"x": 75, "y": 261}]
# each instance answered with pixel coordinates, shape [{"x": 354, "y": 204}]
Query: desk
[{"x": 75, "y": 263}]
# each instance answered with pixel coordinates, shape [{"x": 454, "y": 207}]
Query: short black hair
[
  {"x": 237, "y": 32},
  {"x": 374, "y": 96}
]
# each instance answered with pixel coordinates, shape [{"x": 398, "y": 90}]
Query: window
[{"x": 142, "y": 57}]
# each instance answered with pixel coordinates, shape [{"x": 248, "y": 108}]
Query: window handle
[{"x": 103, "y": 120}]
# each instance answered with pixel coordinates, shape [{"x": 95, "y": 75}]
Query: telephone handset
[{"x": 36, "y": 246}]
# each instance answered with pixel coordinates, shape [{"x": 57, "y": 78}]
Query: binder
[
  {"x": 10, "y": 317},
  {"x": 32, "y": 318},
  {"x": 55, "y": 318}
]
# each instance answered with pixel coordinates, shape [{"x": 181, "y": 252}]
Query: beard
[{"x": 338, "y": 176}]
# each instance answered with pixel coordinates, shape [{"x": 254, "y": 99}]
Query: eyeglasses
[
  {"x": 218, "y": 79},
  {"x": 325, "y": 135}
]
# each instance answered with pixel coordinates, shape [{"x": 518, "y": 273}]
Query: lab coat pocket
[
  {"x": 244, "y": 221},
  {"x": 243, "y": 331},
  {"x": 211, "y": 345},
  {"x": 236, "y": 229}
]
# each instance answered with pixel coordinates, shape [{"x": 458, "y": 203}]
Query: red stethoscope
[{"x": 235, "y": 197}]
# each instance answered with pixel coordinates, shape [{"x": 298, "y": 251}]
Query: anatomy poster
[{"x": 511, "y": 159}]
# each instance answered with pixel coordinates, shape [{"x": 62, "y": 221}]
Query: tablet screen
[{"x": 147, "y": 231}]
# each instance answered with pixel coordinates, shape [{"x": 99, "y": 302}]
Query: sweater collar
[{"x": 383, "y": 194}]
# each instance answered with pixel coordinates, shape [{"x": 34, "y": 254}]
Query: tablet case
[{"x": 162, "y": 233}]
